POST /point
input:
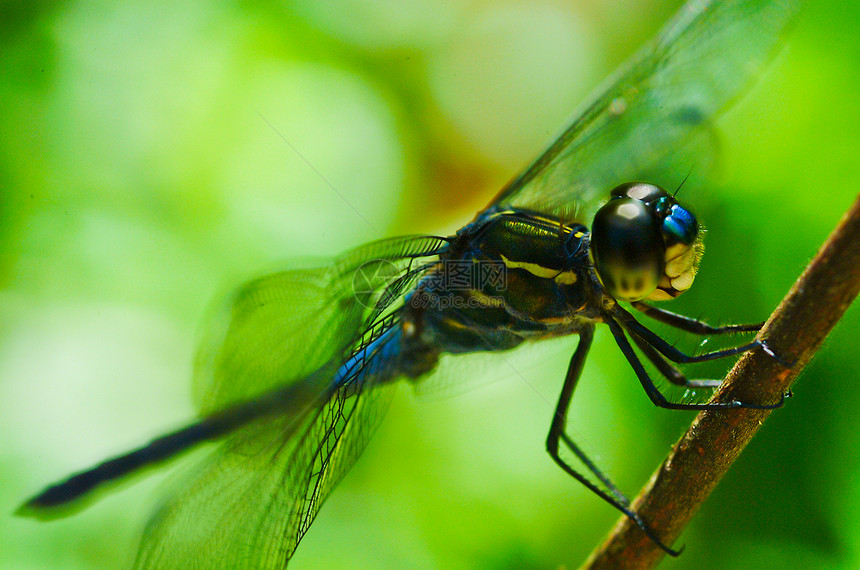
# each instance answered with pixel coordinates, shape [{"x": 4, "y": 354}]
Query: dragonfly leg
[
  {"x": 626, "y": 320},
  {"x": 654, "y": 394},
  {"x": 609, "y": 492},
  {"x": 690, "y": 324},
  {"x": 669, "y": 370},
  {"x": 696, "y": 326}
]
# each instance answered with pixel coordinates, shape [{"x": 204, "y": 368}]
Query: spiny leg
[
  {"x": 651, "y": 390},
  {"x": 669, "y": 370},
  {"x": 696, "y": 326},
  {"x": 690, "y": 324},
  {"x": 627, "y": 320},
  {"x": 611, "y": 494}
]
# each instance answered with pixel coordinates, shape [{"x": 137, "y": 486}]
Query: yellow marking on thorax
[
  {"x": 454, "y": 323},
  {"x": 560, "y": 277},
  {"x": 486, "y": 300},
  {"x": 563, "y": 320},
  {"x": 566, "y": 278},
  {"x": 533, "y": 268}
]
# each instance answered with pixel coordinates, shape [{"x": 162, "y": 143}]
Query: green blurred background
[{"x": 153, "y": 154}]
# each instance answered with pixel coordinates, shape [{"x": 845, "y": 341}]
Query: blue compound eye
[
  {"x": 677, "y": 224},
  {"x": 680, "y": 226}
]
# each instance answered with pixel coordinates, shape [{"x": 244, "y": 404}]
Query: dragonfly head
[{"x": 644, "y": 244}]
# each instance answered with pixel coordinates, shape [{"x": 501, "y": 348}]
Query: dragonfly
[{"x": 297, "y": 372}]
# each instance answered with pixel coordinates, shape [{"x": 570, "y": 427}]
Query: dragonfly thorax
[
  {"x": 509, "y": 276},
  {"x": 645, "y": 244}
]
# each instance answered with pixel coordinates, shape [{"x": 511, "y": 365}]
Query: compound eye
[
  {"x": 679, "y": 226},
  {"x": 648, "y": 193},
  {"x": 627, "y": 248}
]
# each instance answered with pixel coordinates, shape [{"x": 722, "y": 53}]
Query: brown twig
[{"x": 699, "y": 460}]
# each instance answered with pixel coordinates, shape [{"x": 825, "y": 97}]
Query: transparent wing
[
  {"x": 252, "y": 501},
  {"x": 286, "y": 325},
  {"x": 659, "y": 101}
]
